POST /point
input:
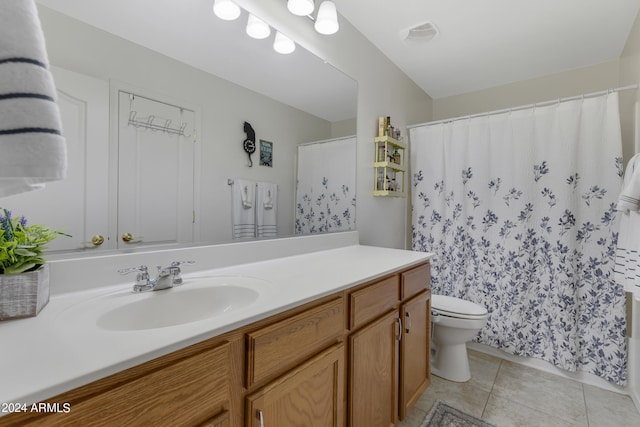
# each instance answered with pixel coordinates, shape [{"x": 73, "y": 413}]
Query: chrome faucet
[{"x": 167, "y": 277}]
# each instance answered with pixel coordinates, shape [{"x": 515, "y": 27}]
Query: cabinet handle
[
  {"x": 260, "y": 417},
  {"x": 407, "y": 322},
  {"x": 217, "y": 420},
  {"x": 399, "y": 334}
]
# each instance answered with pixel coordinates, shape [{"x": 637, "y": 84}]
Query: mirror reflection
[{"x": 177, "y": 68}]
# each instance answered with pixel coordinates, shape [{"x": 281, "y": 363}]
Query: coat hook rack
[{"x": 153, "y": 123}]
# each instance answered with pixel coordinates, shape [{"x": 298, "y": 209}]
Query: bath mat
[{"x": 443, "y": 415}]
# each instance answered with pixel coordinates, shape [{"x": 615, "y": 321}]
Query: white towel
[
  {"x": 33, "y": 149},
  {"x": 629, "y": 199},
  {"x": 267, "y": 207},
  {"x": 627, "y": 269},
  {"x": 243, "y": 209}
]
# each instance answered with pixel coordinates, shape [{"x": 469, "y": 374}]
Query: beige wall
[
  {"x": 565, "y": 84},
  {"x": 576, "y": 82},
  {"x": 630, "y": 74}
]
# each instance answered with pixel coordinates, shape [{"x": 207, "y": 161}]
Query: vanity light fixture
[
  {"x": 226, "y": 9},
  {"x": 327, "y": 18},
  {"x": 257, "y": 28},
  {"x": 300, "y": 7},
  {"x": 283, "y": 44}
]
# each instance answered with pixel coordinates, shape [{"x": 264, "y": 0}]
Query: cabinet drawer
[
  {"x": 186, "y": 392},
  {"x": 277, "y": 347},
  {"x": 415, "y": 281},
  {"x": 368, "y": 303}
]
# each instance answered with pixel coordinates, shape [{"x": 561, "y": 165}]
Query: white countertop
[{"x": 56, "y": 352}]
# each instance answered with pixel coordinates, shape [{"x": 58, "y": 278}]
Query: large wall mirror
[{"x": 175, "y": 61}]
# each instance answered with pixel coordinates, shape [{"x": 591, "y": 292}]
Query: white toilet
[{"x": 454, "y": 321}]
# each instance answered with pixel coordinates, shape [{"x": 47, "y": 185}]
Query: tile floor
[{"x": 508, "y": 394}]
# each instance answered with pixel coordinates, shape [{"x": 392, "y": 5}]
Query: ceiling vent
[{"x": 420, "y": 33}]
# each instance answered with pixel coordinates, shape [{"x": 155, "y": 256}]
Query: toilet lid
[{"x": 456, "y": 307}]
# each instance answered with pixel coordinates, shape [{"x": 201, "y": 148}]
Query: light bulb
[
  {"x": 283, "y": 44},
  {"x": 257, "y": 28},
  {"x": 327, "y": 19},
  {"x": 226, "y": 9},
  {"x": 300, "y": 7}
]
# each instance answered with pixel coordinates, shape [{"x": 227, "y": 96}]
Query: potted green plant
[{"x": 24, "y": 274}]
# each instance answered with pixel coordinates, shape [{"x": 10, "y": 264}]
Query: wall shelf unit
[{"x": 389, "y": 167}]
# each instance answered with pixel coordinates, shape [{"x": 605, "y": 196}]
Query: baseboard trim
[{"x": 542, "y": 365}]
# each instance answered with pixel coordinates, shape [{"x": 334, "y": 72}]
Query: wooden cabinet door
[
  {"x": 373, "y": 373},
  {"x": 414, "y": 350},
  {"x": 311, "y": 395}
]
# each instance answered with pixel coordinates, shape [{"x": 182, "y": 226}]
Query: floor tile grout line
[
  {"x": 493, "y": 383},
  {"x": 586, "y": 408}
]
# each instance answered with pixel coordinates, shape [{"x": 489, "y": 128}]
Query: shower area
[{"x": 520, "y": 208}]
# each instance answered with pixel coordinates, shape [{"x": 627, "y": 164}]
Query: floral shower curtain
[
  {"x": 326, "y": 186},
  {"x": 519, "y": 210}
]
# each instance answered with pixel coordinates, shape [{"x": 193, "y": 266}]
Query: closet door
[
  {"x": 77, "y": 205},
  {"x": 155, "y": 173}
]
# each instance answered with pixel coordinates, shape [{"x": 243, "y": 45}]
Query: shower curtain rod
[
  {"x": 326, "y": 140},
  {"x": 524, "y": 107}
]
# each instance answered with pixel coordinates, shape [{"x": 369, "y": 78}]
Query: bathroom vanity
[{"x": 342, "y": 338}]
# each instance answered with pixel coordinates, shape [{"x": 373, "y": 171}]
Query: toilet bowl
[{"x": 454, "y": 322}]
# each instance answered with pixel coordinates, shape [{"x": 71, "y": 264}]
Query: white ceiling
[
  {"x": 482, "y": 43},
  {"x": 486, "y": 43}
]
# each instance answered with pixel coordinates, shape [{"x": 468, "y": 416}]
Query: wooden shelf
[
  {"x": 389, "y": 175},
  {"x": 388, "y": 193},
  {"x": 391, "y": 141},
  {"x": 390, "y": 165}
]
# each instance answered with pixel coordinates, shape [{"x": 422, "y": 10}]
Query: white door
[
  {"x": 155, "y": 173},
  {"x": 78, "y": 204}
]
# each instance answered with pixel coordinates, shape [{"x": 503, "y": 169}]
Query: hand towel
[
  {"x": 629, "y": 199},
  {"x": 33, "y": 149},
  {"x": 627, "y": 268},
  {"x": 267, "y": 209},
  {"x": 243, "y": 209}
]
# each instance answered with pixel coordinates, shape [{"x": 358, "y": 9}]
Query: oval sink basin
[{"x": 176, "y": 306}]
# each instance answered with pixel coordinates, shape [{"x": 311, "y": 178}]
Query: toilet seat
[{"x": 457, "y": 308}]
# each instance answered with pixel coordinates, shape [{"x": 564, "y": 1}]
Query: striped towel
[
  {"x": 32, "y": 149},
  {"x": 627, "y": 267},
  {"x": 629, "y": 199}
]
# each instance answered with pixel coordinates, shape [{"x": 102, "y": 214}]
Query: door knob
[
  {"x": 128, "y": 238},
  {"x": 97, "y": 240}
]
